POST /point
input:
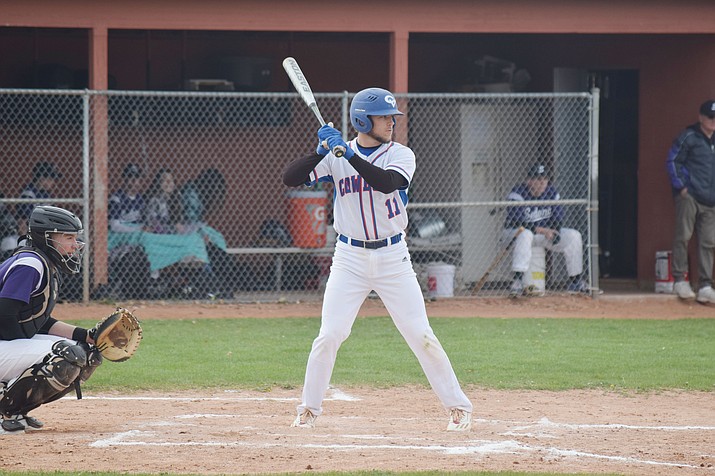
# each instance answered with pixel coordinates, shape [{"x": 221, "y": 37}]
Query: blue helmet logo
[{"x": 371, "y": 102}]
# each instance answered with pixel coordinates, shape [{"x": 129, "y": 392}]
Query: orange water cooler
[{"x": 307, "y": 221}]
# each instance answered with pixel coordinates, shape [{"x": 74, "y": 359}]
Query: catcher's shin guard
[
  {"x": 45, "y": 381},
  {"x": 94, "y": 360}
]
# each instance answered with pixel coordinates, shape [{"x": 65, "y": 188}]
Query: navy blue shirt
[{"x": 532, "y": 214}]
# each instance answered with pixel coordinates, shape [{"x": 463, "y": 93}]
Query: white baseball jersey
[{"x": 359, "y": 211}]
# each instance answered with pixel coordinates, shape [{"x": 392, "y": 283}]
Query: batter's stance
[{"x": 370, "y": 217}]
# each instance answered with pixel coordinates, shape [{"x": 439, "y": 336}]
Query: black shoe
[
  {"x": 13, "y": 423},
  {"x": 33, "y": 422}
]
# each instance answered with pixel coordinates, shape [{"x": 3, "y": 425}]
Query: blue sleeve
[
  {"x": 675, "y": 162},
  {"x": 516, "y": 216},
  {"x": 557, "y": 216}
]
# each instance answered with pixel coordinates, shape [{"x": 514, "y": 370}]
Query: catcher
[{"x": 41, "y": 358}]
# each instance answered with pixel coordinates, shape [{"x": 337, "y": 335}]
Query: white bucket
[
  {"x": 664, "y": 280},
  {"x": 535, "y": 277},
  {"x": 440, "y": 280}
]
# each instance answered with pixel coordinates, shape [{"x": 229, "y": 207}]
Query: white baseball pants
[
  {"x": 18, "y": 355},
  {"x": 570, "y": 244},
  {"x": 388, "y": 271}
]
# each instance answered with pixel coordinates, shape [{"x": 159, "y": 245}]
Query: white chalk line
[
  {"x": 333, "y": 394},
  {"x": 545, "y": 423},
  {"x": 481, "y": 447}
]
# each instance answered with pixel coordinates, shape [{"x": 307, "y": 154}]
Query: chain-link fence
[{"x": 182, "y": 197}]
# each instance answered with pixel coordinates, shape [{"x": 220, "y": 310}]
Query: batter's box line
[
  {"x": 333, "y": 394},
  {"x": 545, "y": 423},
  {"x": 487, "y": 447}
]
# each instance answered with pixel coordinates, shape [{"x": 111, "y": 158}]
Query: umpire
[{"x": 691, "y": 167}]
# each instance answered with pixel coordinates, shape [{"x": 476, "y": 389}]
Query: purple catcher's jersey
[{"x": 28, "y": 275}]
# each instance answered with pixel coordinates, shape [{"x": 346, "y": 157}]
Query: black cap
[
  {"x": 45, "y": 170},
  {"x": 538, "y": 170},
  {"x": 708, "y": 108},
  {"x": 131, "y": 170}
]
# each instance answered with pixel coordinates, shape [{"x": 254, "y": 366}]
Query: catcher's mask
[
  {"x": 371, "y": 102},
  {"x": 45, "y": 221}
]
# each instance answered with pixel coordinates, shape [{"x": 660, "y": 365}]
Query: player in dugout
[{"x": 542, "y": 227}]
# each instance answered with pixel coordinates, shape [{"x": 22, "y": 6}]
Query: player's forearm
[
  {"x": 385, "y": 181},
  {"x": 68, "y": 331},
  {"x": 298, "y": 171}
]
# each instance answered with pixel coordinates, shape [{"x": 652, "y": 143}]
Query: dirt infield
[{"x": 238, "y": 432}]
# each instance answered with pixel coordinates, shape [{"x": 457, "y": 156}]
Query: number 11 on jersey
[{"x": 392, "y": 210}]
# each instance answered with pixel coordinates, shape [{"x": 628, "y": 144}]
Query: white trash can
[
  {"x": 440, "y": 280},
  {"x": 535, "y": 277},
  {"x": 664, "y": 279}
]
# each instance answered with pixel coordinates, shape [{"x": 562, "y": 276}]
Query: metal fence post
[
  {"x": 593, "y": 168},
  {"x": 85, "y": 196}
]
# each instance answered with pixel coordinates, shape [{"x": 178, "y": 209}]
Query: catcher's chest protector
[{"x": 34, "y": 315}]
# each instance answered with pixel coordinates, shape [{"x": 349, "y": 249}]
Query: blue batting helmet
[{"x": 371, "y": 102}]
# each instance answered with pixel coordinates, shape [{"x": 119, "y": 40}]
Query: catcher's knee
[{"x": 45, "y": 381}]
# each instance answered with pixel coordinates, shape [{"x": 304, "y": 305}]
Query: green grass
[{"x": 546, "y": 354}]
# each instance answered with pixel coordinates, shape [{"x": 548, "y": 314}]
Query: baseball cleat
[
  {"x": 578, "y": 287},
  {"x": 533, "y": 291},
  {"x": 33, "y": 423},
  {"x": 459, "y": 420},
  {"x": 13, "y": 423},
  {"x": 304, "y": 420},
  {"x": 517, "y": 289}
]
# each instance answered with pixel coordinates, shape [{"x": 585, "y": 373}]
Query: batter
[{"x": 370, "y": 216}]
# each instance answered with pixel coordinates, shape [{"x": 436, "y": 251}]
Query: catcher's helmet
[
  {"x": 45, "y": 220},
  {"x": 371, "y": 102}
]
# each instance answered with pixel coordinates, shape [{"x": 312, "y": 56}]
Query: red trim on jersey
[
  {"x": 378, "y": 155},
  {"x": 372, "y": 209},
  {"x": 362, "y": 211}
]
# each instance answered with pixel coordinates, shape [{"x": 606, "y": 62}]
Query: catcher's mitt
[{"x": 117, "y": 336}]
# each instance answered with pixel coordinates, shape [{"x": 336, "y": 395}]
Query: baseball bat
[
  {"x": 480, "y": 284},
  {"x": 290, "y": 65}
]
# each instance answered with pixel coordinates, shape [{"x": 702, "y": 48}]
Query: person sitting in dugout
[
  {"x": 543, "y": 226},
  {"x": 41, "y": 358}
]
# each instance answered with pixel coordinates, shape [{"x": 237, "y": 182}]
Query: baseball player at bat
[
  {"x": 543, "y": 228},
  {"x": 370, "y": 216}
]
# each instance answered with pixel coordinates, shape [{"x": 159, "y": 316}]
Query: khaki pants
[{"x": 691, "y": 216}]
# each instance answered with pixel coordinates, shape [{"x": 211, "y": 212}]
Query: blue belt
[{"x": 371, "y": 245}]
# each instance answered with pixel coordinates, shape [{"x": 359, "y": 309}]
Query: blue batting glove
[
  {"x": 337, "y": 141},
  {"x": 327, "y": 131}
]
